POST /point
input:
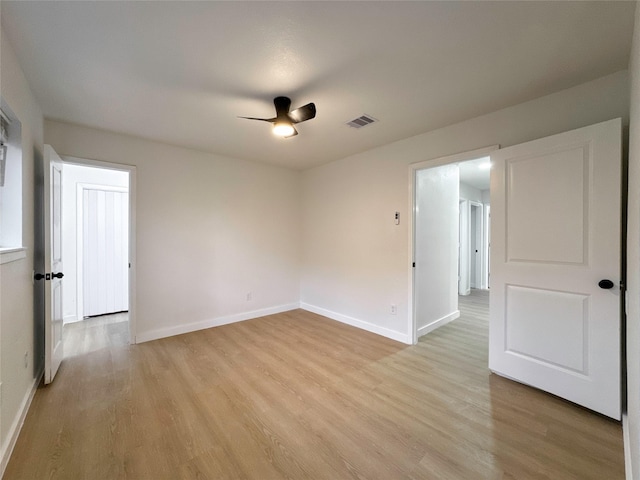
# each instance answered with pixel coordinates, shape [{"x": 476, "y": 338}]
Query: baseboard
[
  {"x": 628, "y": 465},
  {"x": 354, "y": 322},
  {"x": 214, "y": 322},
  {"x": 71, "y": 319},
  {"x": 14, "y": 431},
  {"x": 438, "y": 323}
]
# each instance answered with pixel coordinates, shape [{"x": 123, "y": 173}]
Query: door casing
[
  {"x": 413, "y": 169},
  {"x": 132, "y": 230}
]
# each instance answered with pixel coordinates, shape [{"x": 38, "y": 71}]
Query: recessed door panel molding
[
  {"x": 548, "y": 326},
  {"x": 556, "y": 234},
  {"x": 556, "y": 182}
]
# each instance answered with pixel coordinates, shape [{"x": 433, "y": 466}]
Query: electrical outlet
[
  {"x": 249, "y": 296},
  {"x": 394, "y": 309},
  {"x": 26, "y": 359}
]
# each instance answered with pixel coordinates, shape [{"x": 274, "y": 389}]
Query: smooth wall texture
[
  {"x": 355, "y": 261},
  {"x": 470, "y": 193},
  {"x": 436, "y": 244},
  {"x": 18, "y": 333},
  {"x": 217, "y": 238},
  {"x": 633, "y": 264}
]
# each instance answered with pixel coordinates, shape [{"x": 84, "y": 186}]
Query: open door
[
  {"x": 53, "y": 263},
  {"x": 555, "y": 265}
]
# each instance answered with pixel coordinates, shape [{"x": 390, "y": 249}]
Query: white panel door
[
  {"x": 105, "y": 251},
  {"x": 53, "y": 263},
  {"x": 556, "y": 217},
  {"x": 436, "y": 247}
]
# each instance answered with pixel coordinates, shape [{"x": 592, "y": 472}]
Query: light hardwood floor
[
  {"x": 96, "y": 333},
  {"x": 298, "y": 396}
]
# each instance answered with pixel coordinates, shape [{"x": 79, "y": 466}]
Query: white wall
[
  {"x": 210, "y": 230},
  {"x": 470, "y": 193},
  {"x": 633, "y": 262},
  {"x": 72, "y": 175},
  {"x": 355, "y": 262},
  {"x": 436, "y": 247},
  {"x": 19, "y": 334}
]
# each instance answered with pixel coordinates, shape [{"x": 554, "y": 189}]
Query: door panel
[
  {"x": 561, "y": 202},
  {"x": 53, "y": 263},
  {"x": 105, "y": 251},
  {"x": 555, "y": 233}
]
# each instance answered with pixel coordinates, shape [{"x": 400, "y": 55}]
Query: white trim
[
  {"x": 479, "y": 242},
  {"x": 70, "y": 319},
  {"x": 486, "y": 222},
  {"x": 354, "y": 322},
  {"x": 628, "y": 464},
  {"x": 18, "y": 422},
  {"x": 438, "y": 323},
  {"x": 413, "y": 169},
  {"x": 132, "y": 230},
  {"x": 11, "y": 254},
  {"x": 213, "y": 322}
]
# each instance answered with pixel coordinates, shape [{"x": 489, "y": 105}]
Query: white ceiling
[
  {"x": 474, "y": 173},
  {"x": 181, "y": 72}
]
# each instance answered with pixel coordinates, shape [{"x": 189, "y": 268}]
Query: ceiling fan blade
[
  {"x": 304, "y": 113},
  {"x": 295, "y": 132},
  {"x": 271, "y": 120}
]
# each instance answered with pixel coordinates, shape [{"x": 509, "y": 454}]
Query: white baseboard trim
[
  {"x": 438, "y": 323},
  {"x": 213, "y": 322},
  {"x": 628, "y": 465},
  {"x": 71, "y": 319},
  {"x": 354, "y": 322},
  {"x": 16, "y": 426}
]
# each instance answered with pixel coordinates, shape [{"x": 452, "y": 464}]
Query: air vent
[{"x": 362, "y": 121}]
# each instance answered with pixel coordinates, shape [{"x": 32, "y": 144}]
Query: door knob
[
  {"x": 606, "y": 284},
  {"x": 60, "y": 275}
]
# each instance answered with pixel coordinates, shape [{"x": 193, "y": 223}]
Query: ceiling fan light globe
[{"x": 283, "y": 129}]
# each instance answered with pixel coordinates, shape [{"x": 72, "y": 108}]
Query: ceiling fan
[{"x": 284, "y": 121}]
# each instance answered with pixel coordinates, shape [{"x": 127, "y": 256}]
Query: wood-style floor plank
[{"x": 298, "y": 396}]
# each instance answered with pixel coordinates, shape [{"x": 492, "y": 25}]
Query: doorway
[
  {"x": 98, "y": 229},
  {"x": 474, "y": 247},
  {"x": 464, "y": 179}
]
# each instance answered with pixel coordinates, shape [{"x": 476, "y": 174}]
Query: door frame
[
  {"x": 464, "y": 249},
  {"x": 413, "y": 170},
  {"x": 486, "y": 247},
  {"x": 132, "y": 230},
  {"x": 479, "y": 243}
]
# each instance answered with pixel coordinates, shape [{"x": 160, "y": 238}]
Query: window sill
[{"x": 11, "y": 254}]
